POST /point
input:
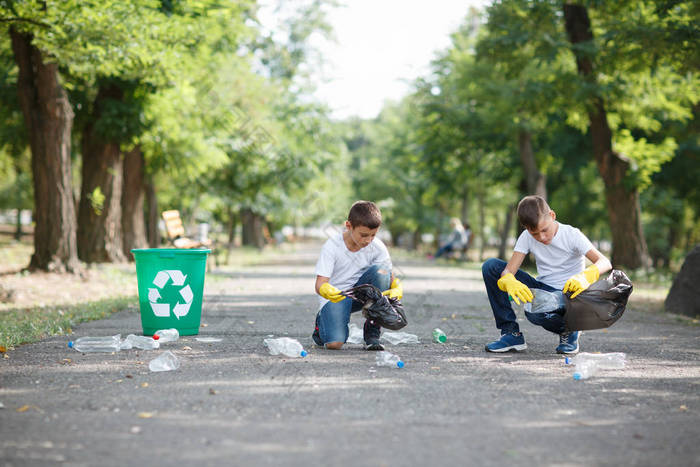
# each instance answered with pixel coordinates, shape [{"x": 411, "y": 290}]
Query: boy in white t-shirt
[
  {"x": 560, "y": 252},
  {"x": 352, "y": 257}
]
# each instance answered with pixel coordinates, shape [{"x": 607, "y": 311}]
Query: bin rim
[{"x": 172, "y": 250}]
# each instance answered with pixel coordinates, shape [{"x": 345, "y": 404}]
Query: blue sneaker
[
  {"x": 568, "y": 342},
  {"x": 507, "y": 342}
]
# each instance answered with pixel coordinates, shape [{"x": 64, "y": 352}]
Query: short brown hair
[
  {"x": 531, "y": 209},
  {"x": 365, "y": 213}
]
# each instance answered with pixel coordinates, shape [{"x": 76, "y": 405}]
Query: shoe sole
[
  {"x": 374, "y": 347},
  {"x": 515, "y": 348}
]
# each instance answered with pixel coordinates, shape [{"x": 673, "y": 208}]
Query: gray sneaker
[{"x": 371, "y": 333}]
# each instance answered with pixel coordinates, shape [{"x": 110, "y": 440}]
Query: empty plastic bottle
[
  {"x": 355, "y": 334},
  {"x": 545, "y": 301},
  {"x": 285, "y": 346},
  {"x": 97, "y": 344},
  {"x": 523, "y": 306},
  {"x": 605, "y": 361},
  {"x": 385, "y": 358},
  {"x": 166, "y": 361},
  {"x": 140, "y": 342},
  {"x": 395, "y": 338},
  {"x": 439, "y": 336},
  {"x": 587, "y": 364},
  {"x": 167, "y": 335}
]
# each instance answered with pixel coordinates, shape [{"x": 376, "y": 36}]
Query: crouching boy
[
  {"x": 349, "y": 258},
  {"x": 560, "y": 253}
]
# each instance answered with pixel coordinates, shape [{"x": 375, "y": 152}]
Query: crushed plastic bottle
[
  {"x": 395, "y": 338},
  {"x": 167, "y": 361},
  {"x": 389, "y": 359},
  {"x": 355, "y": 334},
  {"x": 97, "y": 344},
  {"x": 588, "y": 364},
  {"x": 439, "y": 336},
  {"x": 208, "y": 340},
  {"x": 546, "y": 302},
  {"x": 285, "y": 346},
  {"x": 519, "y": 308},
  {"x": 167, "y": 335},
  {"x": 140, "y": 342}
]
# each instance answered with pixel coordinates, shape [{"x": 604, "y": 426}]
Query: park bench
[{"x": 176, "y": 232}]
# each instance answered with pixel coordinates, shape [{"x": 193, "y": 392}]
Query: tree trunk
[
  {"x": 482, "y": 226},
  {"x": 100, "y": 213},
  {"x": 504, "y": 233},
  {"x": 624, "y": 211},
  {"x": 48, "y": 117},
  {"x": 133, "y": 216},
  {"x": 535, "y": 181},
  {"x": 152, "y": 232},
  {"x": 465, "y": 205},
  {"x": 252, "y": 228}
]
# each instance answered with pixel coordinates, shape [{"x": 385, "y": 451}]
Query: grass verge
[{"x": 23, "y": 326}]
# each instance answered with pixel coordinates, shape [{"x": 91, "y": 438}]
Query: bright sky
[{"x": 382, "y": 45}]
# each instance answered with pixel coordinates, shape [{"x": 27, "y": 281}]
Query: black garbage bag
[
  {"x": 600, "y": 305},
  {"x": 384, "y": 311}
]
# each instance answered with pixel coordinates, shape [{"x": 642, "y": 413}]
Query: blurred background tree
[{"x": 198, "y": 106}]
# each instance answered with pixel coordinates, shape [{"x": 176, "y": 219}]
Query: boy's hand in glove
[
  {"x": 329, "y": 292},
  {"x": 396, "y": 290},
  {"x": 515, "y": 288},
  {"x": 581, "y": 281}
]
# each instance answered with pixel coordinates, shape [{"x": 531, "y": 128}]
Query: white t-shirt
[
  {"x": 344, "y": 267},
  {"x": 561, "y": 259}
]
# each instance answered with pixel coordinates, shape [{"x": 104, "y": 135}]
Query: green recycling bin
[{"x": 171, "y": 286}]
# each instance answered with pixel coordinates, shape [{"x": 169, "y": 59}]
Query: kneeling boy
[{"x": 352, "y": 257}]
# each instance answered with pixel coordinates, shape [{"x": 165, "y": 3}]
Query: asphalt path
[{"x": 231, "y": 403}]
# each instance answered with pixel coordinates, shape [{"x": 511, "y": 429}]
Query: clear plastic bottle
[
  {"x": 585, "y": 370},
  {"x": 385, "y": 358},
  {"x": 97, "y": 344},
  {"x": 166, "y": 361},
  {"x": 588, "y": 364},
  {"x": 140, "y": 342},
  {"x": 605, "y": 361},
  {"x": 439, "y": 336},
  {"x": 523, "y": 306},
  {"x": 545, "y": 301},
  {"x": 167, "y": 335},
  {"x": 285, "y": 346}
]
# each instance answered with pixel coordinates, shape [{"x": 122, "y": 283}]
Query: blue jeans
[
  {"x": 447, "y": 248},
  {"x": 500, "y": 305},
  {"x": 333, "y": 318}
]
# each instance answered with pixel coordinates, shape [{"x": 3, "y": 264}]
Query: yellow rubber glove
[
  {"x": 329, "y": 292},
  {"x": 515, "y": 288},
  {"x": 396, "y": 290},
  {"x": 581, "y": 281}
]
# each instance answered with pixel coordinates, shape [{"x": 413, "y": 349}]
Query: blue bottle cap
[
  {"x": 70, "y": 344},
  {"x": 399, "y": 364},
  {"x": 577, "y": 376},
  {"x": 568, "y": 360},
  {"x": 304, "y": 353}
]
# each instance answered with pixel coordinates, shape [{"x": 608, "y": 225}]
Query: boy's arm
[
  {"x": 602, "y": 263},
  {"x": 327, "y": 291},
  {"x": 514, "y": 263},
  {"x": 581, "y": 281},
  {"x": 508, "y": 283}
]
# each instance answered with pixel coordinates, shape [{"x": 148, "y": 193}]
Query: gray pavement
[{"x": 230, "y": 403}]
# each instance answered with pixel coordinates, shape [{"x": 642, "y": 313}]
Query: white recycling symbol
[{"x": 163, "y": 309}]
